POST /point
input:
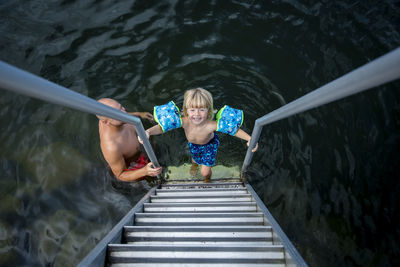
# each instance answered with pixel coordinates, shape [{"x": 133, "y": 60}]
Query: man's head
[{"x": 114, "y": 104}]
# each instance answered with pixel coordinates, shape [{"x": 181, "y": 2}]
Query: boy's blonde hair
[{"x": 198, "y": 98}]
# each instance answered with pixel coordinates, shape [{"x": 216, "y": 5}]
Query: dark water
[{"x": 329, "y": 176}]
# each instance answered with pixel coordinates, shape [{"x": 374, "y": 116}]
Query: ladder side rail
[
  {"x": 292, "y": 256},
  {"x": 20, "y": 81},
  {"x": 97, "y": 256},
  {"x": 377, "y": 72}
]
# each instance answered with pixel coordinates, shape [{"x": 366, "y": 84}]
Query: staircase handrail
[
  {"x": 377, "y": 72},
  {"x": 23, "y": 82}
]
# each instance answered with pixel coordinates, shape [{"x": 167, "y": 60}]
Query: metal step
[
  {"x": 201, "y": 191},
  {"x": 202, "y": 185},
  {"x": 198, "y": 233},
  {"x": 203, "y": 243},
  {"x": 201, "y": 207},
  {"x": 202, "y": 198},
  {"x": 244, "y": 218},
  {"x": 120, "y": 253},
  {"x": 162, "y": 264}
]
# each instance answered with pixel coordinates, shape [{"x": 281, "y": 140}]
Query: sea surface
[{"x": 330, "y": 176}]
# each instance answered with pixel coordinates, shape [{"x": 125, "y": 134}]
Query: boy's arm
[
  {"x": 155, "y": 130},
  {"x": 243, "y": 135}
]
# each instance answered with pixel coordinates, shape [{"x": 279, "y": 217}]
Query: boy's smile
[{"x": 197, "y": 115}]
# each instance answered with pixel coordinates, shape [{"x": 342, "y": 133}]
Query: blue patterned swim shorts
[{"x": 205, "y": 154}]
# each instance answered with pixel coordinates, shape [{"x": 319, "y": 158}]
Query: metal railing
[
  {"x": 293, "y": 258},
  {"x": 377, "y": 72},
  {"x": 19, "y": 81},
  {"x": 97, "y": 256}
]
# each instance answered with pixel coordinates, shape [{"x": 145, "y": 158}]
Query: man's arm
[
  {"x": 117, "y": 164},
  {"x": 142, "y": 115},
  {"x": 133, "y": 175}
]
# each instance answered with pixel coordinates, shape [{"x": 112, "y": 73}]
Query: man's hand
[
  {"x": 150, "y": 171},
  {"x": 140, "y": 139},
  {"x": 143, "y": 115}
]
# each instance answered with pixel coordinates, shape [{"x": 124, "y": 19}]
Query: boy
[{"x": 200, "y": 130}]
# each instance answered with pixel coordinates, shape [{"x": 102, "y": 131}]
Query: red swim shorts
[{"x": 138, "y": 164}]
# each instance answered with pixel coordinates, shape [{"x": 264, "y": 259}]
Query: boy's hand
[{"x": 255, "y": 148}]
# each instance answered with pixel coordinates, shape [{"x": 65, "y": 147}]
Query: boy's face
[{"x": 197, "y": 115}]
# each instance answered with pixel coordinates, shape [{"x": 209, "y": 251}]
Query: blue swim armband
[
  {"x": 229, "y": 120},
  {"x": 168, "y": 116}
]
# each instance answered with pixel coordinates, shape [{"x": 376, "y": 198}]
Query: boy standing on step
[{"x": 200, "y": 129}]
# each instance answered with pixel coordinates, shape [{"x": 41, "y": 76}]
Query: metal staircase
[{"x": 198, "y": 224}]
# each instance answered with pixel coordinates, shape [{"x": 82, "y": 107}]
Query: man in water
[{"x": 120, "y": 147}]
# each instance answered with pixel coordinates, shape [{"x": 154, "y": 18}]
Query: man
[{"x": 120, "y": 147}]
